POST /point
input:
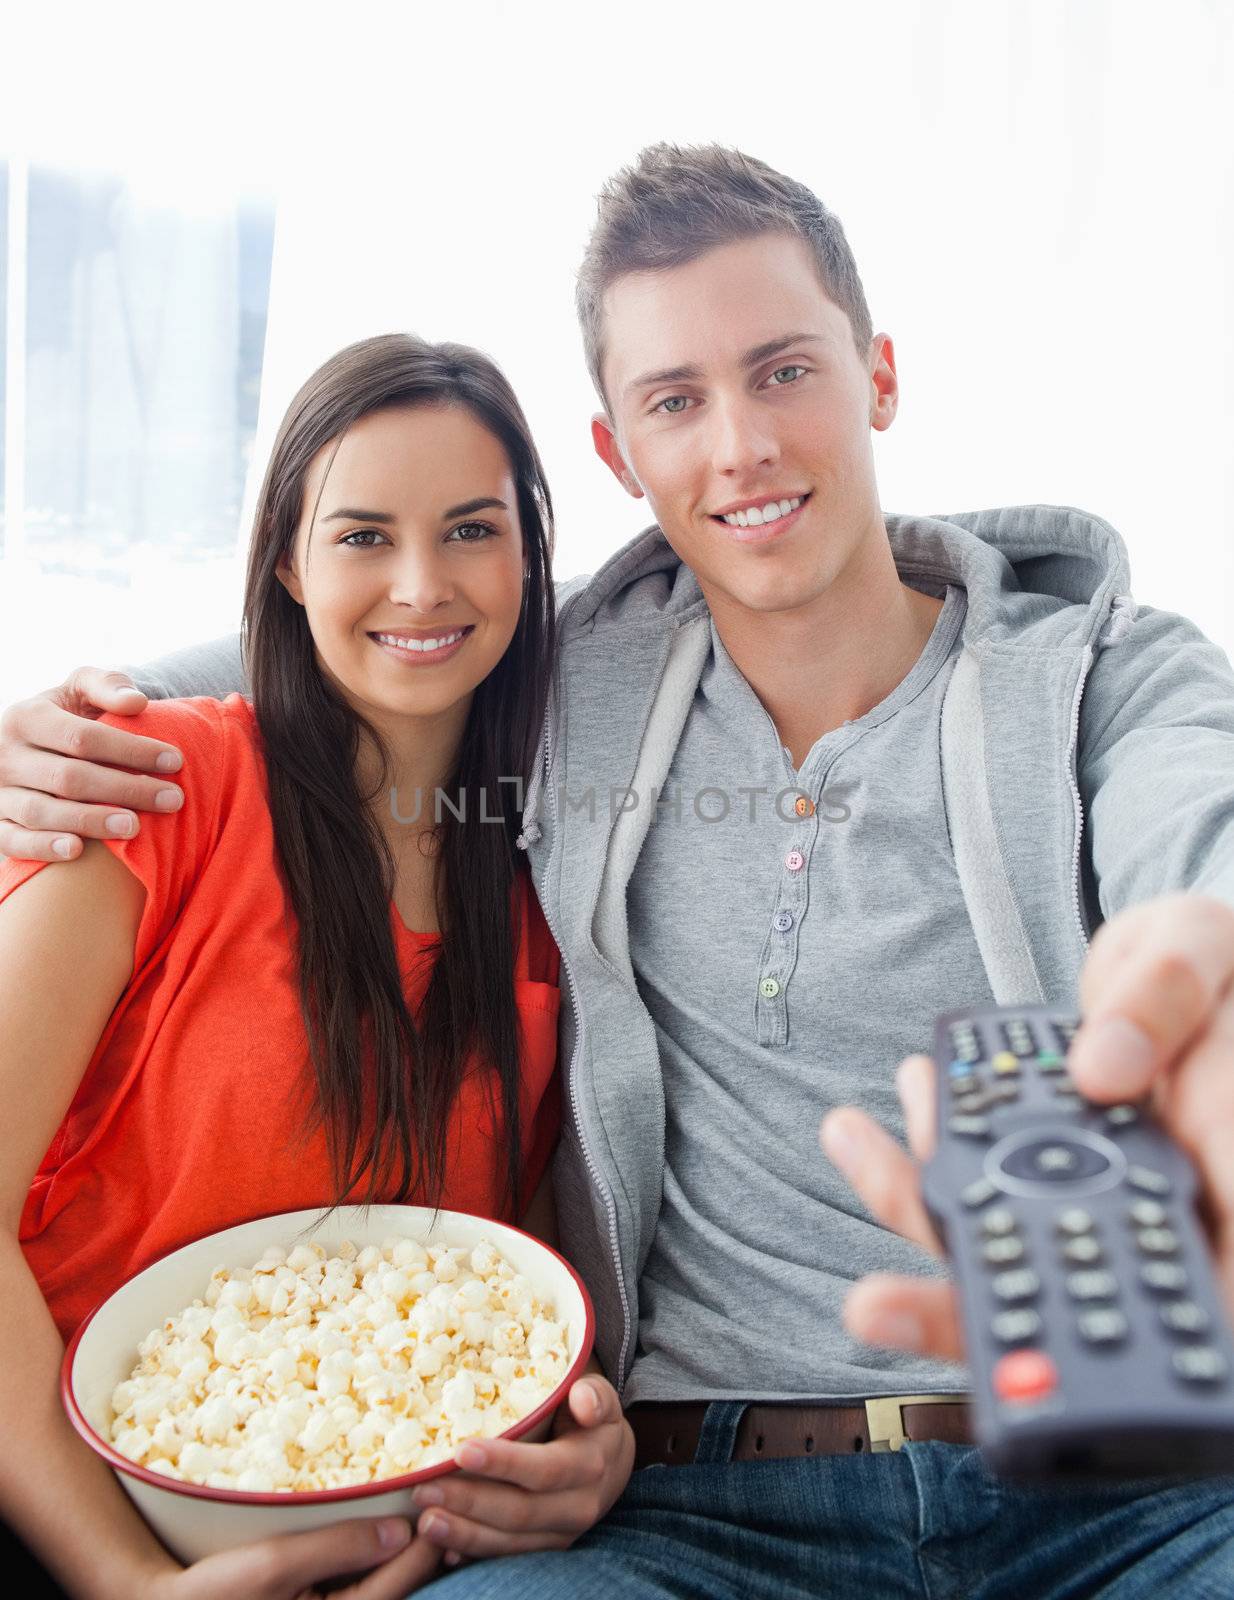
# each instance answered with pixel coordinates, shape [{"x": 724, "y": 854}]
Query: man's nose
[
  {"x": 742, "y": 439},
  {"x": 422, "y": 580}
]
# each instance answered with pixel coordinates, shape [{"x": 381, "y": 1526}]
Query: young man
[{"x": 815, "y": 775}]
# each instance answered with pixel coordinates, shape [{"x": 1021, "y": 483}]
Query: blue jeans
[{"x": 927, "y": 1522}]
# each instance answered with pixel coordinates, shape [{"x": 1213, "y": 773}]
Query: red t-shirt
[{"x": 191, "y": 1114}]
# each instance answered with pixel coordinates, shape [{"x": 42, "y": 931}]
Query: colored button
[
  {"x": 769, "y": 988},
  {"x": 1050, "y": 1061},
  {"x": 782, "y": 921},
  {"x": 803, "y": 806},
  {"x": 1023, "y": 1376},
  {"x": 794, "y": 861},
  {"x": 1004, "y": 1061}
]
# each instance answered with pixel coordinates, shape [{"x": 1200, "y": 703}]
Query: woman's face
[{"x": 409, "y": 561}]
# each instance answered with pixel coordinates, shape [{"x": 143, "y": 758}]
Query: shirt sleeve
[
  {"x": 169, "y": 851},
  {"x": 214, "y": 668}
]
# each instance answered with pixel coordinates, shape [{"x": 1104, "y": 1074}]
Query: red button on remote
[{"x": 1024, "y": 1376}]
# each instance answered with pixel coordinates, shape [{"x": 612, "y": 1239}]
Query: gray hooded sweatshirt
[{"x": 1087, "y": 753}]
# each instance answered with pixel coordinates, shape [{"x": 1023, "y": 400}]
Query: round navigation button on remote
[{"x": 1056, "y": 1160}]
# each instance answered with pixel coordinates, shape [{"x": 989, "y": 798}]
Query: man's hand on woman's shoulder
[{"x": 62, "y": 773}]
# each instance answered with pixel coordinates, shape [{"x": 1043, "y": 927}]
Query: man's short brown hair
[{"x": 675, "y": 203}]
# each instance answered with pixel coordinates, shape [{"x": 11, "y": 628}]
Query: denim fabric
[{"x": 928, "y": 1522}]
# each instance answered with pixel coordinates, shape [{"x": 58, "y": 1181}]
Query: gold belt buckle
[{"x": 885, "y": 1421}]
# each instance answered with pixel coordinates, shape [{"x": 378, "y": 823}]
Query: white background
[{"x": 1040, "y": 196}]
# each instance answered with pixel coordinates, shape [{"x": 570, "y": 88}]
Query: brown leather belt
[{"x": 668, "y": 1434}]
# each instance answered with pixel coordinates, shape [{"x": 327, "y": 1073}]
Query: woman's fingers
[{"x": 906, "y": 1314}]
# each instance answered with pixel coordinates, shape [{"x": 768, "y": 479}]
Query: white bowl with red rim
[{"x": 193, "y": 1520}]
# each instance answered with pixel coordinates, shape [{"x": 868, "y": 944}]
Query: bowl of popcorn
[{"x": 304, "y": 1368}]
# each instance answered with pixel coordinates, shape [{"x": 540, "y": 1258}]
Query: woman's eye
[
  {"x": 783, "y": 375},
  {"x": 360, "y": 534},
  {"x": 472, "y": 532},
  {"x": 674, "y": 405}
]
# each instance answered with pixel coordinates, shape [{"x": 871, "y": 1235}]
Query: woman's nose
[{"x": 422, "y": 582}]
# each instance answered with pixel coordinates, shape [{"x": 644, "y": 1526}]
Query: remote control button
[
  {"x": 1122, "y": 1116},
  {"x": 1067, "y": 1099},
  {"x": 1148, "y": 1181},
  {"x": 979, "y": 1193},
  {"x": 1003, "y": 1061},
  {"x": 1164, "y": 1277},
  {"x": 965, "y": 1083},
  {"x": 1184, "y": 1316},
  {"x": 1013, "y": 1327},
  {"x": 973, "y": 1103},
  {"x": 1050, "y": 1061},
  {"x": 1199, "y": 1363},
  {"x": 1023, "y": 1376},
  {"x": 1074, "y": 1221},
  {"x": 1019, "y": 1038},
  {"x": 1003, "y": 1252},
  {"x": 1008, "y": 1089},
  {"x": 1082, "y": 1252},
  {"x": 1148, "y": 1213},
  {"x": 969, "y": 1127},
  {"x": 1099, "y": 1285},
  {"x": 1023, "y": 1284},
  {"x": 1065, "y": 1089},
  {"x": 966, "y": 1048},
  {"x": 999, "y": 1220},
  {"x": 1106, "y": 1326},
  {"x": 1065, "y": 1032},
  {"x": 1055, "y": 1160},
  {"x": 1157, "y": 1241}
]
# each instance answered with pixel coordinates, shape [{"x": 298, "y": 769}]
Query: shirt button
[
  {"x": 769, "y": 988},
  {"x": 782, "y": 921},
  {"x": 794, "y": 861},
  {"x": 803, "y": 806}
]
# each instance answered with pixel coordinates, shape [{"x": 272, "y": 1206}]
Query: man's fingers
[
  {"x": 507, "y": 1509},
  {"x": 592, "y": 1401},
  {"x": 474, "y": 1539},
  {"x": 101, "y": 689},
  {"x": 27, "y": 811},
  {"x": 906, "y": 1314},
  {"x": 884, "y": 1175},
  {"x": 41, "y": 724},
  {"x": 915, "y": 1082},
  {"x": 1147, "y": 988},
  {"x": 23, "y": 845},
  {"x": 559, "y": 1464}
]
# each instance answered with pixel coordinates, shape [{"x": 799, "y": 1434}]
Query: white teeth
[
  {"x": 757, "y": 517},
  {"x": 420, "y": 645}
]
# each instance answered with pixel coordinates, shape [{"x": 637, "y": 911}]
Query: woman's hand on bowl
[
  {"x": 388, "y": 1560},
  {"x": 518, "y": 1497}
]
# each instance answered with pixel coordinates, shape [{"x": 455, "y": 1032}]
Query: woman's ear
[{"x": 285, "y": 572}]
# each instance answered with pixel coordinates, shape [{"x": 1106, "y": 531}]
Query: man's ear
[
  {"x": 605, "y": 441},
  {"x": 286, "y": 575},
  {"x": 884, "y": 385}
]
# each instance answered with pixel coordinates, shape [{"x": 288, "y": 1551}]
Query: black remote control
[{"x": 1097, "y": 1338}]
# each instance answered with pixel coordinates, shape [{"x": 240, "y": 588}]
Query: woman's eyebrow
[
  {"x": 350, "y": 514},
  {"x": 484, "y": 503}
]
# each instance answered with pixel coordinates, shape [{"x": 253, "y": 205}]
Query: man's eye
[
  {"x": 675, "y": 404},
  {"x": 359, "y": 534},
  {"x": 783, "y": 375}
]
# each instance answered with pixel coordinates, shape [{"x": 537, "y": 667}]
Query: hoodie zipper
[
  {"x": 1076, "y": 801},
  {"x": 593, "y": 1170}
]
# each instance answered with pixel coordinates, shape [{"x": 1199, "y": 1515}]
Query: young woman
[{"x": 325, "y": 978}]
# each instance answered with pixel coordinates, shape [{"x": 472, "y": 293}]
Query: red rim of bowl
[{"x": 304, "y": 1497}]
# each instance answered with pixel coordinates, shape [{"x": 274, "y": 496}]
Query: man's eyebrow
[
  {"x": 751, "y": 358},
  {"x": 355, "y": 514}
]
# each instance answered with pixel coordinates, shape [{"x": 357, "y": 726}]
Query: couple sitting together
[{"x": 649, "y": 877}]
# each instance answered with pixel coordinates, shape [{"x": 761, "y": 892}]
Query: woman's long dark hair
[{"x": 385, "y": 1082}]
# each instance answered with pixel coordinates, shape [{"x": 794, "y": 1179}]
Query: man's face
[{"x": 737, "y": 392}]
